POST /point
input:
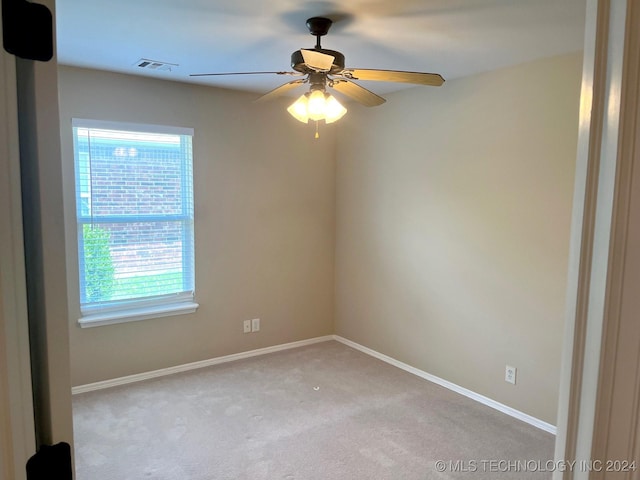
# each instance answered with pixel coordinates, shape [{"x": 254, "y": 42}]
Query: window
[{"x": 134, "y": 205}]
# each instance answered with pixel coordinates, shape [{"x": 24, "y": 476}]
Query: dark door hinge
[{"x": 27, "y": 30}]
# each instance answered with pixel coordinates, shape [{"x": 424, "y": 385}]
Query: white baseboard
[
  {"x": 90, "y": 387},
  {"x": 277, "y": 348},
  {"x": 547, "y": 427}
]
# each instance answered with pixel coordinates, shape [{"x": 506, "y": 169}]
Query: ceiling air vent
[{"x": 155, "y": 65}]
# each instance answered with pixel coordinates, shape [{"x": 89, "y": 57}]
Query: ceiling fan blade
[
  {"x": 243, "y": 73},
  {"x": 320, "y": 62},
  {"x": 418, "y": 78},
  {"x": 281, "y": 90},
  {"x": 358, "y": 93}
]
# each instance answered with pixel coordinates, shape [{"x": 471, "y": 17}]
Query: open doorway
[{"x": 59, "y": 430}]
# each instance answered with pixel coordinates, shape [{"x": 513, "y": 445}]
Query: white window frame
[{"x": 130, "y": 310}]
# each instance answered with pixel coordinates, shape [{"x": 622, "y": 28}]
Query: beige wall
[
  {"x": 264, "y": 216},
  {"x": 453, "y": 214},
  {"x": 451, "y": 225}
]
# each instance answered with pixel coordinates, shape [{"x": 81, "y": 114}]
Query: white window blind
[{"x": 134, "y": 199}]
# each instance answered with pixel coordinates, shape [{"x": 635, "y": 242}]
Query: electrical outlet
[
  {"x": 247, "y": 326},
  {"x": 510, "y": 374},
  {"x": 255, "y": 325}
]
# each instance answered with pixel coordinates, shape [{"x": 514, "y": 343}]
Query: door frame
[
  {"x": 600, "y": 220},
  {"x": 17, "y": 435}
]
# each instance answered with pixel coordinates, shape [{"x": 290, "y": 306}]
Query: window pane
[
  {"x": 135, "y": 214},
  {"x": 143, "y": 259}
]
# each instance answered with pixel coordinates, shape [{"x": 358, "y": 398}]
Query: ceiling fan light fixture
[{"x": 317, "y": 105}]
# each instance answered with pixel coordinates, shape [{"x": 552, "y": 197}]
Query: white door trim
[
  {"x": 17, "y": 437},
  {"x": 588, "y": 289}
]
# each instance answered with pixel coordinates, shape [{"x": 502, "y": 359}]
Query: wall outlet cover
[
  {"x": 510, "y": 374},
  {"x": 255, "y": 325}
]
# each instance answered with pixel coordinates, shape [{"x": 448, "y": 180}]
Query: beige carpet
[{"x": 321, "y": 412}]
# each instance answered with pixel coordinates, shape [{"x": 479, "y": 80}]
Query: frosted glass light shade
[
  {"x": 333, "y": 110},
  {"x": 298, "y": 109},
  {"x": 316, "y": 106}
]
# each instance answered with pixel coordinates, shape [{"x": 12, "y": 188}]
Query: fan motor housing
[{"x": 297, "y": 61}]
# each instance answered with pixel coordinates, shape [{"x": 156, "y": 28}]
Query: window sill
[{"x": 137, "y": 314}]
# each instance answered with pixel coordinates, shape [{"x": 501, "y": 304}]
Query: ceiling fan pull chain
[{"x": 317, "y": 134}]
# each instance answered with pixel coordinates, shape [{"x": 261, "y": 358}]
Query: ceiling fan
[{"x": 322, "y": 69}]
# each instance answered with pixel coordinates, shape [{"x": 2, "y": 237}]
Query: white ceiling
[{"x": 452, "y": 37}]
